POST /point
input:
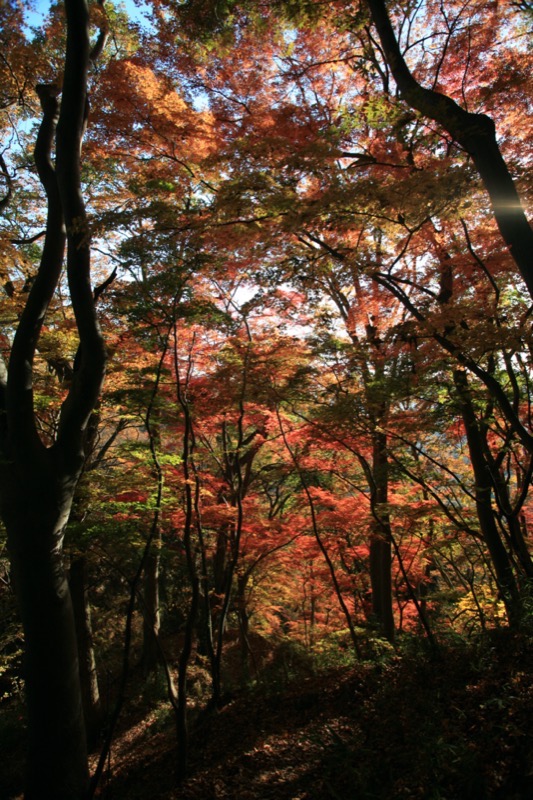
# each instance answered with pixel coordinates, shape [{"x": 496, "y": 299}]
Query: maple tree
[
  {"x": 316, "y": 427},
  {"x": 473, "y": 131},
  {"x": 306, "y": 219}
]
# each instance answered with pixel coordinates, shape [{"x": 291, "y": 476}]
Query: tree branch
[
  {"x": 476, "y": 133},
  {"x": 88, "y": 379},
  {"x": 19, "y": 391}
]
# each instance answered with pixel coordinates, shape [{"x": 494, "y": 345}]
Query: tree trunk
[
  {"x": 151, "y": 612},
  {"x": 35, "y": 518},
  {"x": 38, "y": 483},
  {"x": 244, "y": 628},
  {"x": 483, "y": 495},
  {"x": 509, "y": 519},
  {"x": 381, "y": 583},
  {"x": 380, "y": 543},
  {"x": 92, "y": 707}
]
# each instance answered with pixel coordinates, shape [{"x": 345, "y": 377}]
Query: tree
[
  {"x": 308, "y": 268},
  {"x": 39, "y": 480},
  {"x": 475, "y": 133}
]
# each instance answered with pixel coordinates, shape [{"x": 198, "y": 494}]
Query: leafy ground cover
[{"x": 413, "y": 726}]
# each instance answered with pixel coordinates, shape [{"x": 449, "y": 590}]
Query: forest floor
[{"x": 455, "y": 727}]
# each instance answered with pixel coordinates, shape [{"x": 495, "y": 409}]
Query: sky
[{"x": 36, "y": 10}]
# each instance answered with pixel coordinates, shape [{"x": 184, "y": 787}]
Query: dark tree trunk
[
  {"x": 381, "y": 583},
  {"x": 380, "y": 543},
  {"x": 151, "y": 651},
  {"x": 509, "y": 520},
  {"x": 485, "y": 512},
  {"x": 38, "y": 483},
  {"x": 35, "y": 517},
  {"x": 92, "y": 707},
  {"x": 244, "y": 628},
  {"x": 151, "y": 611}
]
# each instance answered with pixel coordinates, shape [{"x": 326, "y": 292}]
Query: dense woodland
[{"x": 266, "y": 434}]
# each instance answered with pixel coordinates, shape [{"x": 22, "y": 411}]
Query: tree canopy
[{"x": 294, "y": 237}]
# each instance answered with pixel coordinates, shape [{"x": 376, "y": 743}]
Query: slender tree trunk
[
  {"x": 220, "y": 559},
  {"x": 222, "y": 585},
  {"x": 320, "y": 542},
  {"x": 151, "y": 655},
  {"x": 151, "y": 610},
  {"x": 191, "y": 509},
  {"x": 380, "y": 543},
  {"x": 509, "y": 519},
  {"x": 244, "y": 628},
  {"x": 483, "y": 494}
]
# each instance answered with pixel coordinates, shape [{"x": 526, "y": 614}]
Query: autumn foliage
[{"x": 314, "y": 443}]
